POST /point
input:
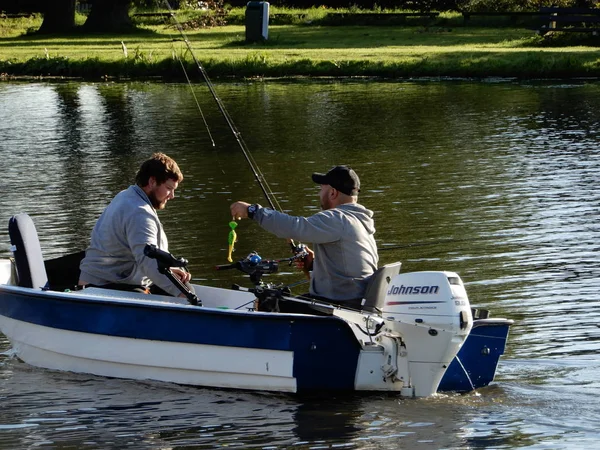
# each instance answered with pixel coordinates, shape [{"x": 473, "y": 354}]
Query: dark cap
[{"x": 342, "y": 178}]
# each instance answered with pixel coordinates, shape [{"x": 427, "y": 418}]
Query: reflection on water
[
  {"x": 496, "y": 181},
  {"x": 101, "y": 412}
]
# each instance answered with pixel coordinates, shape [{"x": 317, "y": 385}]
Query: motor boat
[{"x": 415, "y": 333}]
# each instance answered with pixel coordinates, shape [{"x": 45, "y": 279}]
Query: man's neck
[{"x": 344, "y": 202}]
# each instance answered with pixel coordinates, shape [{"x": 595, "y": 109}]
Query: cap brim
[{"x": 319, "y": 178}]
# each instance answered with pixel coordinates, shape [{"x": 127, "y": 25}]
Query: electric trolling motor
[{"x": 165, "y": 261}]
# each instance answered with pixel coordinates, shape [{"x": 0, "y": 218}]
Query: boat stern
[{"x": 430, "y": 314}]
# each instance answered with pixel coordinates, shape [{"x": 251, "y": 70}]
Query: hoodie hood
[{"x": 360, "y": 213}]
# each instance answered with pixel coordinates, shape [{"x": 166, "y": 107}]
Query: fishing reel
[
  {"x": 268, "y": 294},
  {"x": 254, "y": 266},
  {"x": 299, "y": 250}
]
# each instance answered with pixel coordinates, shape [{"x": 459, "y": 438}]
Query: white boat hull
[{"x": 140, "y": 359}]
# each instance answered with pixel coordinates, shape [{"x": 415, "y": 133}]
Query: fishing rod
[
  {"x": 259, "y": 177},
  {"x": 420, "y": 244},
  {"x": 441, "y": 241}
]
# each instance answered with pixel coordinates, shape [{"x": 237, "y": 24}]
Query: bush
[
  {"x": 428, "y": 5},
  {"x": 518, "y": 5}
]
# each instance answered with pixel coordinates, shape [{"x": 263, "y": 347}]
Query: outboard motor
[{"x": 432, "y": 314}]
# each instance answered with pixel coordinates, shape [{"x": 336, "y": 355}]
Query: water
[{"x": 496, "y": 181}]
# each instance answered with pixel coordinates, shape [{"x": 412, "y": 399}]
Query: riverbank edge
[{"x": 530, "y": 65}]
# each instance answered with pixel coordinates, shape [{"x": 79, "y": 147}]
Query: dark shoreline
[{"x": 169, "y": 71}]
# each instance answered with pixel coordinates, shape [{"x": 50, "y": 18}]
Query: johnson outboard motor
[{"x": 432, "y": 314}]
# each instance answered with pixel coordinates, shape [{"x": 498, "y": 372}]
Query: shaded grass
[{"x": 300, "y": 50}]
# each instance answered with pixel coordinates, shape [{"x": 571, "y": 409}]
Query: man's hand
[
  {"x": 183, "y": 276},
  {"x": 239, "y": 210},
  {"x": 305, "y": 264}
]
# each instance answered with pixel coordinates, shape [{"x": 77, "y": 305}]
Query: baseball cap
[{"x": 342, "y": 178}]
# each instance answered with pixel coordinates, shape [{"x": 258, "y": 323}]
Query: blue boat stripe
[{"x": 325, "y": 348}]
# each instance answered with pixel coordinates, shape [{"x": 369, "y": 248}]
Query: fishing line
[
  {"x": 442, "y": 241},
  {"x": 420, "y": 244},
  {"x": 196, "y": 100},
  {"x": 175, "y": 55},
  {"x": 258, "y": 175}
]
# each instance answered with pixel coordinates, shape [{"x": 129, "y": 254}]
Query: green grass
[{"x": 298, "y": 50}]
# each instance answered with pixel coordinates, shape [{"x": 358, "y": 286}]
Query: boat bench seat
[{"x": 129, "y": 295}]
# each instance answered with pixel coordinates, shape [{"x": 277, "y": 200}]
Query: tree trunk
[
  {"x": 59, "y": 16},
  {"x": 109, "y": 16}
]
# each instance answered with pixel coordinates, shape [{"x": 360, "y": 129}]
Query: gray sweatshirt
[
  {"x": 116, "y": 251},
  {"x": 343, "y": 242}
]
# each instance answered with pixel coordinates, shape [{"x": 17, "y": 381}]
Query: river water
[{"x": 495, "y": 180}]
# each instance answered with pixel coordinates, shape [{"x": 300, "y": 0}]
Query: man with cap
[{"x": 345, "y": 252}]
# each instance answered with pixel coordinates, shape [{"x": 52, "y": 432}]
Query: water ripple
[{"x": 496, "y": 181}]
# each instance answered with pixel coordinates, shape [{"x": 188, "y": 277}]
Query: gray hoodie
[
  {"x": 343, "y": 242},
  {"x": 116, "y": 251}
]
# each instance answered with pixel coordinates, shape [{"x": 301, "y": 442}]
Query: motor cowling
[{"x": 432, "y": 314}]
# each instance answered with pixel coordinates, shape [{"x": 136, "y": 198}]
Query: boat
[
  {"x": 415, "y": 333},
  {"x": 476, "y": 363}
]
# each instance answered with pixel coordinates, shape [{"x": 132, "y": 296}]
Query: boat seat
[
  {"x": 377, "y": 287},
  {"x": 27, "y": 251},
  {"x": 63, "y": 272}
]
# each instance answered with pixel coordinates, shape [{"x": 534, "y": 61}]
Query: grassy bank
[{"x": 439, "y": 50}]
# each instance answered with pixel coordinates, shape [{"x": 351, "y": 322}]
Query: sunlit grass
[{"x": 298, "y": 50}]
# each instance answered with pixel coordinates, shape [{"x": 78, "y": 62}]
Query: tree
[
  {"x": 109, "y": 16},
  {"x": 59, "y": 16}
]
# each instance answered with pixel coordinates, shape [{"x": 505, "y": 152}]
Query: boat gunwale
[{"x": 154, "y": 303}]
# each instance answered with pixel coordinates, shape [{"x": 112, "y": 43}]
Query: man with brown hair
[{"x": 115, "y": 258}]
